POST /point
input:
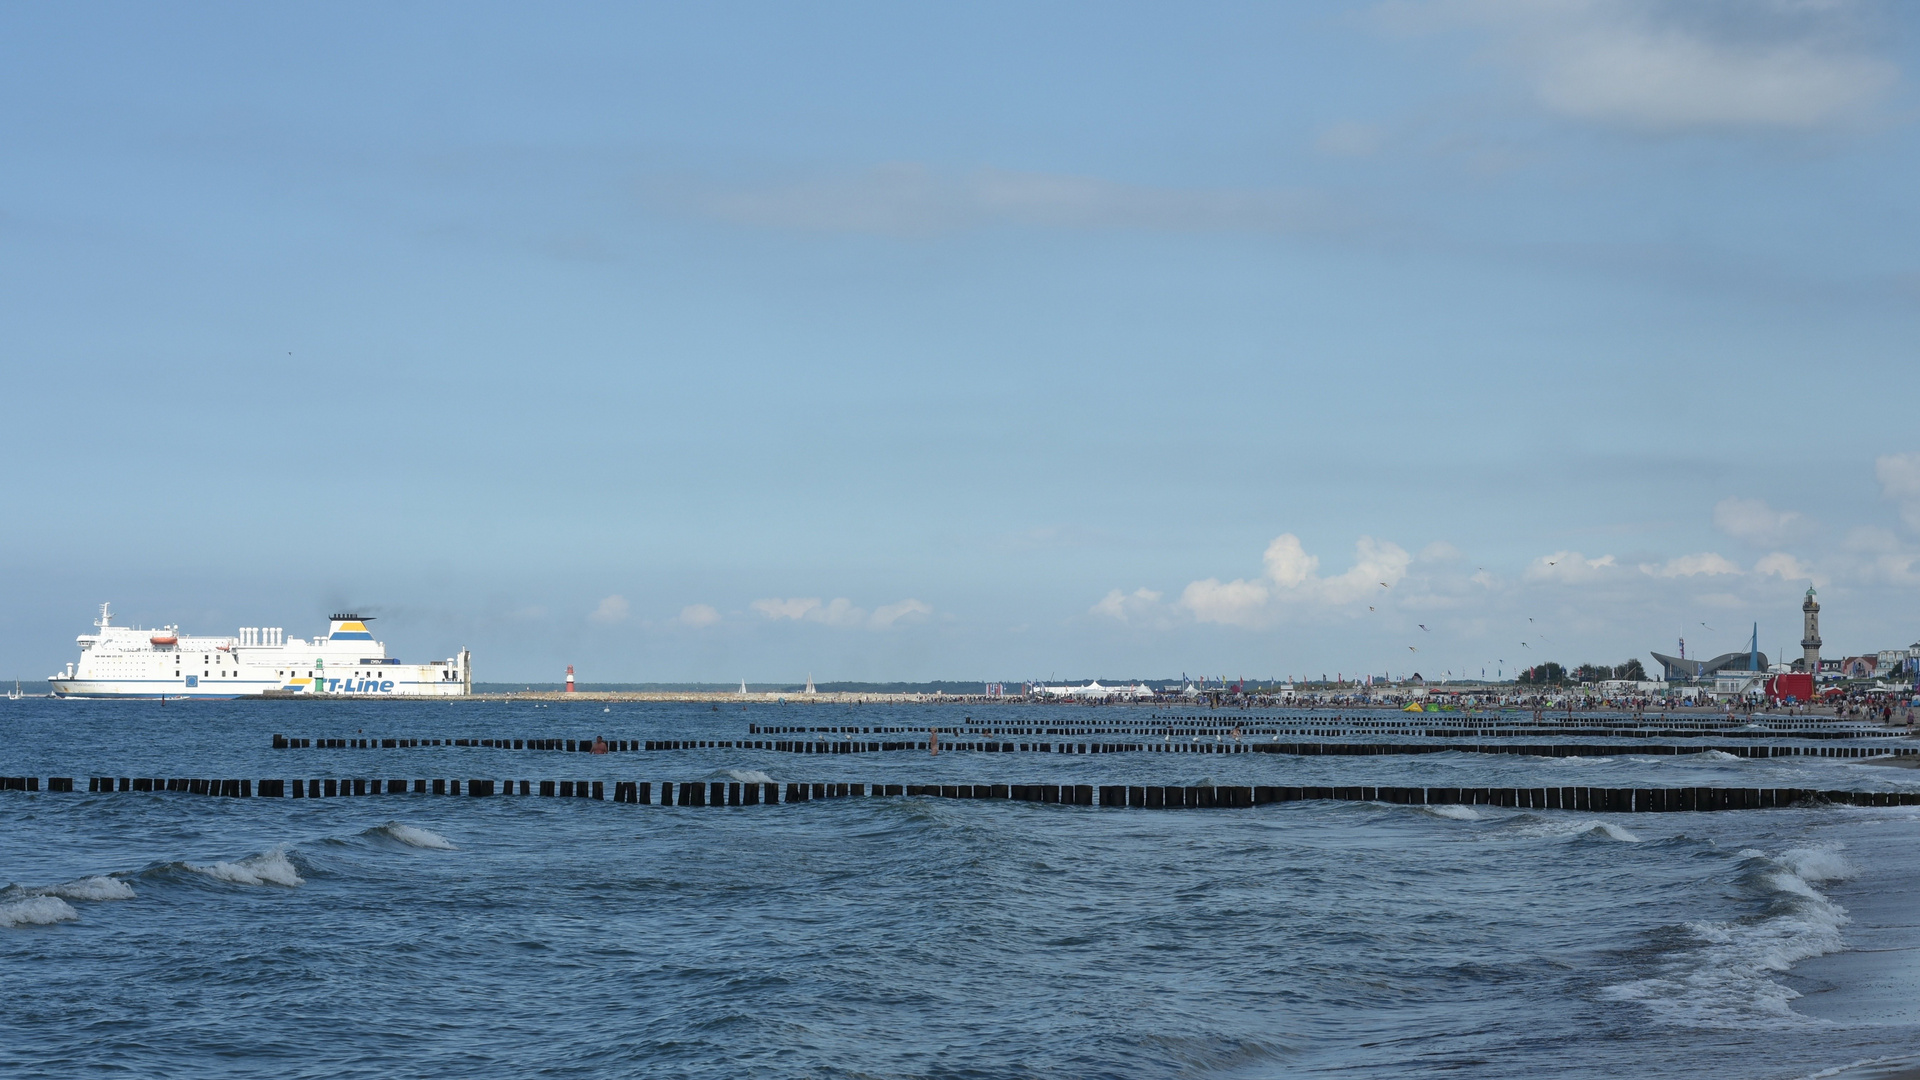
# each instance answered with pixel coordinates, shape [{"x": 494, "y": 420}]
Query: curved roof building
[{"x": 1675, "y": 669}]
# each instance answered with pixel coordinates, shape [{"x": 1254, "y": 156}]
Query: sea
[{"x": 432, "y": 936}]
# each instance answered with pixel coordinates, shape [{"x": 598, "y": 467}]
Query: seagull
[
  {"x": 1423, "y": 626},
  {"x": 1412, "y": 649},
  {"x": 1384, "y": 585},
  {"x": 1369, "y": 607}
]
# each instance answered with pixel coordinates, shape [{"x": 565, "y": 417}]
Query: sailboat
[{"x": 15, "y": 694}]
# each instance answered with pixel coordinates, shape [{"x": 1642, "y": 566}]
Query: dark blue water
[{"x": 908, "y": 937}]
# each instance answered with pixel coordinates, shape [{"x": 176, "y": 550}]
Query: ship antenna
[{"x": 106, "y": 616}]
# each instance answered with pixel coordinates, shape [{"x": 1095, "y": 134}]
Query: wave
[
  {"x": 1863, "y": 1063},
  {"x": 1589, "y": 828},
  {"x": 1715, "y": 755},
  {"x": 750, "y": 776},
  {"x": 271, "y": 867},
  {"x": 36, "y": 911},
  {"x": 411, "y": 836},
  {"x": 1454, "y": 812},
  {"x": 1818, "y": 864},
  {"x": 86, "y": 888},
  {"x": 1725, "y": 978}
]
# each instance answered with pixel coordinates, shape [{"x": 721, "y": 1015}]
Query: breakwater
[
  {"x": 1150, "y": 797},
  {"x": 1296, "y": 749}
]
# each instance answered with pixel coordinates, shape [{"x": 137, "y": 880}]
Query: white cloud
[
  {"x": 1667, "y": 66},
  {"x": 841, "y": 612},
  {"x": 1782, "y": 565},
  {"x": 1376, "y": 564},
  {"x": 1125, "y": 607},
  {"x": 1292, "y": 578},
  {"x": 911, "y": 199},
  {"x": 1899, "y": 476},
  {"x": 1235, "y": 603},
  {"x": 1288, "y": 563},
  {"x": 611, "y": 610},
  {"x": 698, "y": 615},
  {"x": 1568, "y": 567},
  {"x": 1705, "y": 563},
  {"x": 1883, "y": 557},
  {"x": 1753, "y": 520},
  {"x": 795, "y": 608},
  {"x": 908, "y": 610}
]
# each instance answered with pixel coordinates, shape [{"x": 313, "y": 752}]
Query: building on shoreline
[
  {"x": 1746, "y": 662},
  {"x": 1810, "y": 635}
]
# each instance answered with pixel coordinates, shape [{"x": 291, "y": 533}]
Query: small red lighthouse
[{"x": 569, "y": 678}]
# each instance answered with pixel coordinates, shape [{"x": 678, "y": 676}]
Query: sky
[{"x": 987, "y": 341}]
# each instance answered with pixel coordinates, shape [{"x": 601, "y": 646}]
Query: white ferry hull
[
  {"x": 121, "y": 662},
  {"x": 237, "y": 688}
]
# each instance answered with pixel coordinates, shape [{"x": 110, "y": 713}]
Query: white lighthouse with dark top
[{"x": 1810, "y": 634}]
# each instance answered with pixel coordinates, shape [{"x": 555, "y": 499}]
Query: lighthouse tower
[
  {"x": 569, "y": 678},
  {"x": 1810, "y": 636}
]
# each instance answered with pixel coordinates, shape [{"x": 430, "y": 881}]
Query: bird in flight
[{"x": 1423, "y": 626}]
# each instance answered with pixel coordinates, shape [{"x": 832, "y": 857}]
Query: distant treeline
[{"x": 1552, "y": 674}]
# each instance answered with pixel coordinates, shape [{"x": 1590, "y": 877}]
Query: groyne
[
  {"x": 1148, "y": 797},
  {"x": 1294, "y": 749}
]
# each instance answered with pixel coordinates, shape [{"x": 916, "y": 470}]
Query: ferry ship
[{"x": 121, "y": 661}]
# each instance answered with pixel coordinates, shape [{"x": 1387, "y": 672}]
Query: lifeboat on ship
[{"x": 165, "y": 639}]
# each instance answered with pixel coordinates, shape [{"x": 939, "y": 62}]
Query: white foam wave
[
  {"x": 36, "y": 911},
  {"x": 1454, "y": 812},
  {"x": 1824, "y": 863},
  {"x": 750, "y": 776},
  {"x": 413, "y": 836},
  {"x": 1863, "y": 1063},
  {"x": 1726, "y": 980},
  {"x": 90, "y": 888},
  {"x": 1715, "y": 755},
  {"x": 1579, "y": 827},
  {"x": 267, "y": 868},
  {"x": 1577, "y": 760}
]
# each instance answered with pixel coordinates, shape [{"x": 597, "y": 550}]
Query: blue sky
[{"x": 990, "y": 341}]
